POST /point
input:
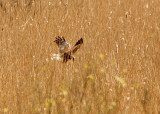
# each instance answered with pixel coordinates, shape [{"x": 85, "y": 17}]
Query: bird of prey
[{"x": 65, "y": 52}]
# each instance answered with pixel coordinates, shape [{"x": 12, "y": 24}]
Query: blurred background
[{"x": 115, "y": 71}]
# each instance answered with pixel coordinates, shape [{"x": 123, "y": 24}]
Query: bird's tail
[{"x": 67, "y": 56}]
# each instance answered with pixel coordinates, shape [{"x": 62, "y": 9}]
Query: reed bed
[{"x": 117, "y": 69}]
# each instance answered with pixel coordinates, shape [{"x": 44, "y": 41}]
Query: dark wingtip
[
  {"x": 59, "y": 40},
  {"x": 80, "y": 41},
  {"x": 63, "y": 38}
]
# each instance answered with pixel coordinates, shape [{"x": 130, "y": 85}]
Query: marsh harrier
[{"x": 66, "y": 53}]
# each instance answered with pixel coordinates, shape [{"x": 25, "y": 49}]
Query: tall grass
[{"x": 115, "y": 71}]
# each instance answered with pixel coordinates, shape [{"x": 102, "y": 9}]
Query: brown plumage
[
  {"x": 64, "y": 48},
  {"x": 62, "y": 44}
]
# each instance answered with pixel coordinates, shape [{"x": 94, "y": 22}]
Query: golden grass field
[{"x": 116, "y": 71}]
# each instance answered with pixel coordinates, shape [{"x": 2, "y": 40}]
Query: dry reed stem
[{"x": 116, "y": 70}]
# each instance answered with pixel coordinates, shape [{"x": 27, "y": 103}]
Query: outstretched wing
[
  {"x": 62, "y": 44},
  {"x": 59, "y": 41},
  {"x": 77, "y": 45}
]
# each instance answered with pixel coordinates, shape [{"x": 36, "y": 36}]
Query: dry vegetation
[{"x": 117, "y": 70}]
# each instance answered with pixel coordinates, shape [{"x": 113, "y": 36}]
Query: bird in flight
[{"x": 64, "y": 49}]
